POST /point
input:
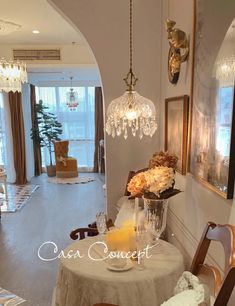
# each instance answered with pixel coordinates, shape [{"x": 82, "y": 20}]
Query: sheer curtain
[
  {"x": 26, "y": 105},
  {"x": 78, "y": 125},
  {"x": 6, "y": 139}
]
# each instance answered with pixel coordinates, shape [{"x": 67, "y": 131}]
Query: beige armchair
[{"x": 66, "y": 166}]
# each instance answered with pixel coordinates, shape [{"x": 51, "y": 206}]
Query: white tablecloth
[{"x": 83, "y": 282}]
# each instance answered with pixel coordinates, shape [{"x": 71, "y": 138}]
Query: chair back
[
  {"x": 61, "y": 148},
  {"x": 220, "y": 287},
  {"x": 91, "y": 230}
]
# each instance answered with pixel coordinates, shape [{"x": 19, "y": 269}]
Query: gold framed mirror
[{"x": 212, "y": 154}]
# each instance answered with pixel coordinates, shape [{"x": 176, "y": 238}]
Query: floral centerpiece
[
  {"x": 163, "y": 159},
  {"x": 158, "y": 181}
]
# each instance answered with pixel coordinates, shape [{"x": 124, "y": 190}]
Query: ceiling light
[
  {"x": 12, "y": 75},
  {"x": 35, "y": 32},
  {"x": 131, "y": 111},
  {"x": 72, "y": 98}
]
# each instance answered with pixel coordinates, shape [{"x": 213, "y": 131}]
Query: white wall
[
  {"x": 190, "y": 210},
  {"x": 104, "y": 24}
]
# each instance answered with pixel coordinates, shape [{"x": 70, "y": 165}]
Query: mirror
[{"x": 212, "y": 134}]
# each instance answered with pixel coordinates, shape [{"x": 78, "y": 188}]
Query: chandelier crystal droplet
[{"x": 131, "y": 112}]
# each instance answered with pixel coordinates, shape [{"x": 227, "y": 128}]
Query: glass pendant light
[
  {"x": 72, "y": 98},
  {"x": 131, "y": 112}
]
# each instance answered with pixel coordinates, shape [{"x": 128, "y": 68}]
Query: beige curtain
[
  {"x": 36, "y": 146},
  {"x": 99, "y": 132},
  {"x": 17, "y": 125}
]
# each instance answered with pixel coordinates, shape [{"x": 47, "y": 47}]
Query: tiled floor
[{"x": 49, "y": 215}]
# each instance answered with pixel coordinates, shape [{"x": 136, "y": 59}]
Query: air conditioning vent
[{"x": 37, "y": 55}]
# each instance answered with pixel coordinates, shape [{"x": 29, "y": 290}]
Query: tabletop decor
[
  {"x": 152, "y": 183},
  {"x": 156, "y": 186},
  {"x": 163, "y": 159},
  {"x": 158, "y": 181},
  {"x": 122, "y": 239}
]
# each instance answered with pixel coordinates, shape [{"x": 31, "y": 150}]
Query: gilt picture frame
[
  {"x": 176, "y": 129},
  {"x": 212, "y": 141}
]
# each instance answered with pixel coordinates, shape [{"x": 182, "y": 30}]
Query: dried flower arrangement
[{"x": 158, "y": 181}]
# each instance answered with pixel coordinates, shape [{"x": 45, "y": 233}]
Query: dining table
[{"x": 84, "y": 278}]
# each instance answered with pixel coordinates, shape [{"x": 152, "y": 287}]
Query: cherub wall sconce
[{"x": 178, "y": 52}]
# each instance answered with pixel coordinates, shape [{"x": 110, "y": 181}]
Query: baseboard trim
[{"x": 176, "y": 225}]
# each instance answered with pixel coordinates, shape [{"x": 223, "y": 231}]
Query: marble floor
[{"x": 49, "y": 215}]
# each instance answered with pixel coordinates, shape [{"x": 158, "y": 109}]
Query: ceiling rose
[{"x": 7, "y": 27}]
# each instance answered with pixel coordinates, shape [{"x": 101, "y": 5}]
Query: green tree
[{"x": 47, "y": 128}]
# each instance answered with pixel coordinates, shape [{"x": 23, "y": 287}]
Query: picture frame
[
  {"x": 212, "y": 113},
  {"x": 176, "y": 129}
]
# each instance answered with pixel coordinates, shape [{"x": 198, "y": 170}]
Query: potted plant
[{"x": 47, "y": 130}]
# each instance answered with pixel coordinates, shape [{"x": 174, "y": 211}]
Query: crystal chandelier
[
  {"x": 72, "y": 98},
  {"x": 12, "y": 75},
  {"x": 131, "y": 111}
]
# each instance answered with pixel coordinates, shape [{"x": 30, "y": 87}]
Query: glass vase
[{"x": 155, "y": 216}]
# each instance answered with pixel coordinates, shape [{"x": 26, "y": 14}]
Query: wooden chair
[
  {"x": 91, "y": 230},
  {"x": 220, "y": 287}
]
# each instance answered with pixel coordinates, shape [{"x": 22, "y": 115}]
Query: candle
[{"x": 122, "y": 239}]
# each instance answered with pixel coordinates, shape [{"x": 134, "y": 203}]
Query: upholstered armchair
[{"x": 66, "y": 166}]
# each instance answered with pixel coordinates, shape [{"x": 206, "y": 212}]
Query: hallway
[{"x": 52, "y": 212}]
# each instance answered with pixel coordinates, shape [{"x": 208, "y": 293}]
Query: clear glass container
[{"x": 155, "y": 216}]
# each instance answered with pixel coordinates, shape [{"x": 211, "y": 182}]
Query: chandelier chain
[
  {"x": 131, "y": 36},
  {"x": 130, "y": 78}
]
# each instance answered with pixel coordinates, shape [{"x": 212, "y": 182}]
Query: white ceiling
[
  {"x": 54, "y": 30},
  {"x": 36, "y": 15}
]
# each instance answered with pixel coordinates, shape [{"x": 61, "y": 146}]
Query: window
[
  {"x": 78, "y": 125},
  {"x": 225, "y": 120}
]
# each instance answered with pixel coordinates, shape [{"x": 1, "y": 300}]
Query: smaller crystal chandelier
[
  {"x": 131, "y": 110},
  {"x": 225, "y": 69},
  {"x": 72, "y": 98},
  {"x": 12, "y": 75}
]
